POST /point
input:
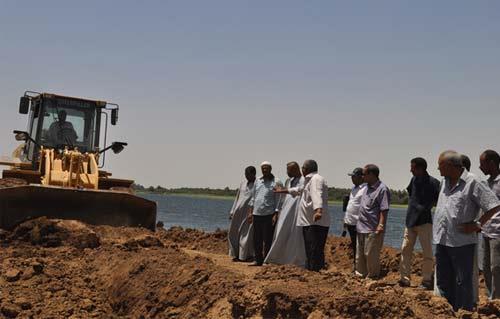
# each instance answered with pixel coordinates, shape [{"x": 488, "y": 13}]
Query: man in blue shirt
[
  {"x": 370, "y": 228},
  {"x": 263, "y": 207}
]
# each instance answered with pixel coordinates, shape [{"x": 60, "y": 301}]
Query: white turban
[{"x": 266, "y": 163}]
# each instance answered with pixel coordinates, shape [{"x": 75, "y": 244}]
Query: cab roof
[{"x": 98, "y": 103}]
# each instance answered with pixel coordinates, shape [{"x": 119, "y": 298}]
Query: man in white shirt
[
  {"x": 352, "y": 210},
  {"x": 456, "y": 222},
  {"x": 490, "y": 165},
  {"x": 313, "y": 214}
]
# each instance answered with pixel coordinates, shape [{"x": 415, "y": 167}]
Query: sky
[{"x": 207, "y": 88}]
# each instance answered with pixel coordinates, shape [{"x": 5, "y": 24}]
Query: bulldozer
[{"x": 57, "y": 171}]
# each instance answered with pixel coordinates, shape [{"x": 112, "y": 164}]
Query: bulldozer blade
[{"x": 97, "y": 207}]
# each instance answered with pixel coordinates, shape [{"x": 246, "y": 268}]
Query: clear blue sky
[{"x": 209, "y": 87}]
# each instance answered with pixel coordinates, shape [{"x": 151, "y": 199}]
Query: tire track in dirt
[{"x": 226, "y": 262}]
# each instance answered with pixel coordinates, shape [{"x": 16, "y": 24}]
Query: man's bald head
[
  {"x": 450, "y": 163},
  {"x": 451, "y": 157}
]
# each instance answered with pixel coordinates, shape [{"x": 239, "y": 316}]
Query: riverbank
[
  {"x": 66, "y": 269},
  {"x": 209, "y": 196}
]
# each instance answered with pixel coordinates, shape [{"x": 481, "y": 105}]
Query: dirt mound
[
  {"x": 490, "y": 308},
  {"x": 49, "y": 272},
  {"x": 143, "y": 242},
  {"x": 197, "y": 240},
  {"x": 135, "y": 273},
  {"x": 292, "y": 292},
  {"x": 162, "y": 282},
  {"x": 54, "y": 233},
  {"x": 339, "y": 253}
]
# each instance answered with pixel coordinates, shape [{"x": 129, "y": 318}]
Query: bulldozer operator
[{"x": 62, "y": 132}]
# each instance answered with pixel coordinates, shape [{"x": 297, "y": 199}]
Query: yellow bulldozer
[{"x": 57, "y": 171}]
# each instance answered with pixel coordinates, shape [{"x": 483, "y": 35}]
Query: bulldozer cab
[{"x": 62, "y": 122}]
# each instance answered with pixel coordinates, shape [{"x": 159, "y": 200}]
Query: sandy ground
[{"x": 66, "y": 269}]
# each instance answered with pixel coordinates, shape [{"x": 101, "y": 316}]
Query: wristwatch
[{"x": 478, "y": 224}]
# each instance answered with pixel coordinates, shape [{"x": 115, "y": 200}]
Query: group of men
[
  {"x": 464, "y": 206},
  {"x": 272, "y": 223},
  {"x": 282, "y": 224}
]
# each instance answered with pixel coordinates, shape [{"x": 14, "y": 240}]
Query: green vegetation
[
  {"x": 335, "y": 195},
  {"x": 186, "y": 190}
]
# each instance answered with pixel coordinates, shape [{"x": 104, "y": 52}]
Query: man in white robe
[
  {"x": 240, "y": 235},
  {"x": 313, "y": 217},
  {"x": 288, "y": 241}
]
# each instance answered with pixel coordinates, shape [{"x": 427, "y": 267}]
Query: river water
[{"x": 208, "y": 214}]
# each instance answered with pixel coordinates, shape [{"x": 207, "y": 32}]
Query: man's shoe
[
  {"x": 255, "y": 264},
  {"x": 404, "y": 282},
  {"x": 427, "y": 285}
]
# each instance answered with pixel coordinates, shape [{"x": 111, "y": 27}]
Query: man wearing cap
[
  {"x": 423, "y": 192},
  {"x": 371, "y": 224},
  {"x": 490, "y": 165},
  {"x": 313, "y": 215},
  {"x": 264, "y": 204},
  {"x": 352, "y": 210}
]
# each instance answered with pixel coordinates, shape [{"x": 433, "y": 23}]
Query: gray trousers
[
  {"x": 491, "y": 266},
  {"x": 368, "y": 249}
]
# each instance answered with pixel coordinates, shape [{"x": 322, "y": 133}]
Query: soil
[{"x": 66, "y": 269}]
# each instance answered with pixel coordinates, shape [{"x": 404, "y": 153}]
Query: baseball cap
[{"x": 358, "y": 171}]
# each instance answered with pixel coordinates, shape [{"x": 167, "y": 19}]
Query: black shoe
[
  {"x": 427, "y": 285},
  {"x": 236, "y": 259},
  {"x": 404, "y": 282},
  {"x": 255, "y": 264}
]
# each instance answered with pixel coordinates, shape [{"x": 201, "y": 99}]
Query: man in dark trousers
[
  {"x": 263, "y": 206},
  {"x": 313, "y": 216},
  {"x": 423, "y": 192}
]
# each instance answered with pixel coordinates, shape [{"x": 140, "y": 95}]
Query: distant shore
[{"x": 222, "y": 197}]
